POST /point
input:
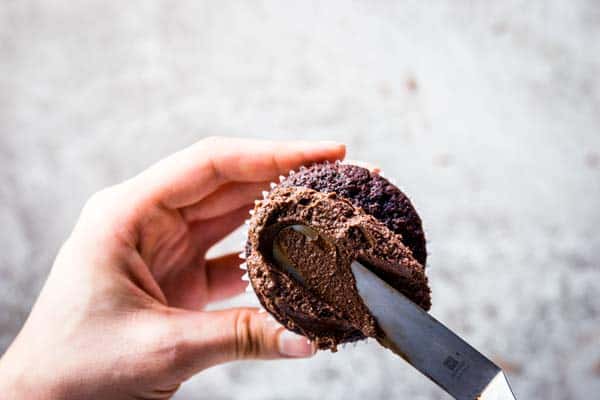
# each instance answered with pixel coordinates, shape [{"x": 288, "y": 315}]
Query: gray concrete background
[{"x": 486, "y": 113}]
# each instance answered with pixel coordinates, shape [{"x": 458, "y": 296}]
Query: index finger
[{"x": 189, "y": 175}]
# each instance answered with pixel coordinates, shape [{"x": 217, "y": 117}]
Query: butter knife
[{"x": 428, "y": 345}]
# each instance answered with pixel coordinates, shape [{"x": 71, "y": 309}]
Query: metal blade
[{"x": 428, "y": 345}]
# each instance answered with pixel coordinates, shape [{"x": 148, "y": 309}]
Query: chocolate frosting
[{"x": 318, "y": 298}]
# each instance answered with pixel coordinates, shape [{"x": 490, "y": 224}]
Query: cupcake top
[
  {"x": 370, "y": 191},
  {"x": 306, "y": 232}
]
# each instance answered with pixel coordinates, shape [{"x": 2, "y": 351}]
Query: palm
[{"x": 174, "y": 248}]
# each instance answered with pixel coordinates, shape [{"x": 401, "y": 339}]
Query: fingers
[
  {"x": 194, "y": 287},
  {"x": 228, "y": 197},
  {"x": 188, "y": 288},
  {"x": 224, "y": 277},
  {"x": 205, "y": 339},
  {"x": 208, "y": 232},
  {"x": 191, "y": 174}
]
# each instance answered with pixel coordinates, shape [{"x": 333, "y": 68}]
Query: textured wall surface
[{"x": 487, "y": 115}]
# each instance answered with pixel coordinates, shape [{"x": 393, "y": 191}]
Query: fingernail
[{"x": 292, "y": 345}]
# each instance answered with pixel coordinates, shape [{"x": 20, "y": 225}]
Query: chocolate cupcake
[{"x": 304, "y": 235}]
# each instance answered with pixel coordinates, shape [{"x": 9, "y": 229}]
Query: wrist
[
  {"x": 18, "y": 381},
  {"x": 10, "y": 378}
]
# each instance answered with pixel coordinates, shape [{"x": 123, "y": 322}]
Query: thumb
[{"x": 216, "y": 337}]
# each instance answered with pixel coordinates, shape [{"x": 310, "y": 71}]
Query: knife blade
[{"x": 428, "y": 345}]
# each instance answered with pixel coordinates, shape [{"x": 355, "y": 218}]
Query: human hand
[{"x": 119, "y": 316}]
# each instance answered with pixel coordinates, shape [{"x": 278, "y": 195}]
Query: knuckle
[
  {"x": 95, "y": 200},
  {"x": 100, "y": 200},
  {"x": 247, "y": 344},
  {"x": 168, "y": 347},
  {"x": 176, "y": 347},
  {"x": 102, "y": 214}
]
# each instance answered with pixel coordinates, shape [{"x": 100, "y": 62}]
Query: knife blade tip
[{"x": 497, "y": 389}]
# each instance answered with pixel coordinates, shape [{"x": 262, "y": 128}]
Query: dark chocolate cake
[
  {"x": 304, "y": 235},
  {"x": 371, "y": 192}
]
